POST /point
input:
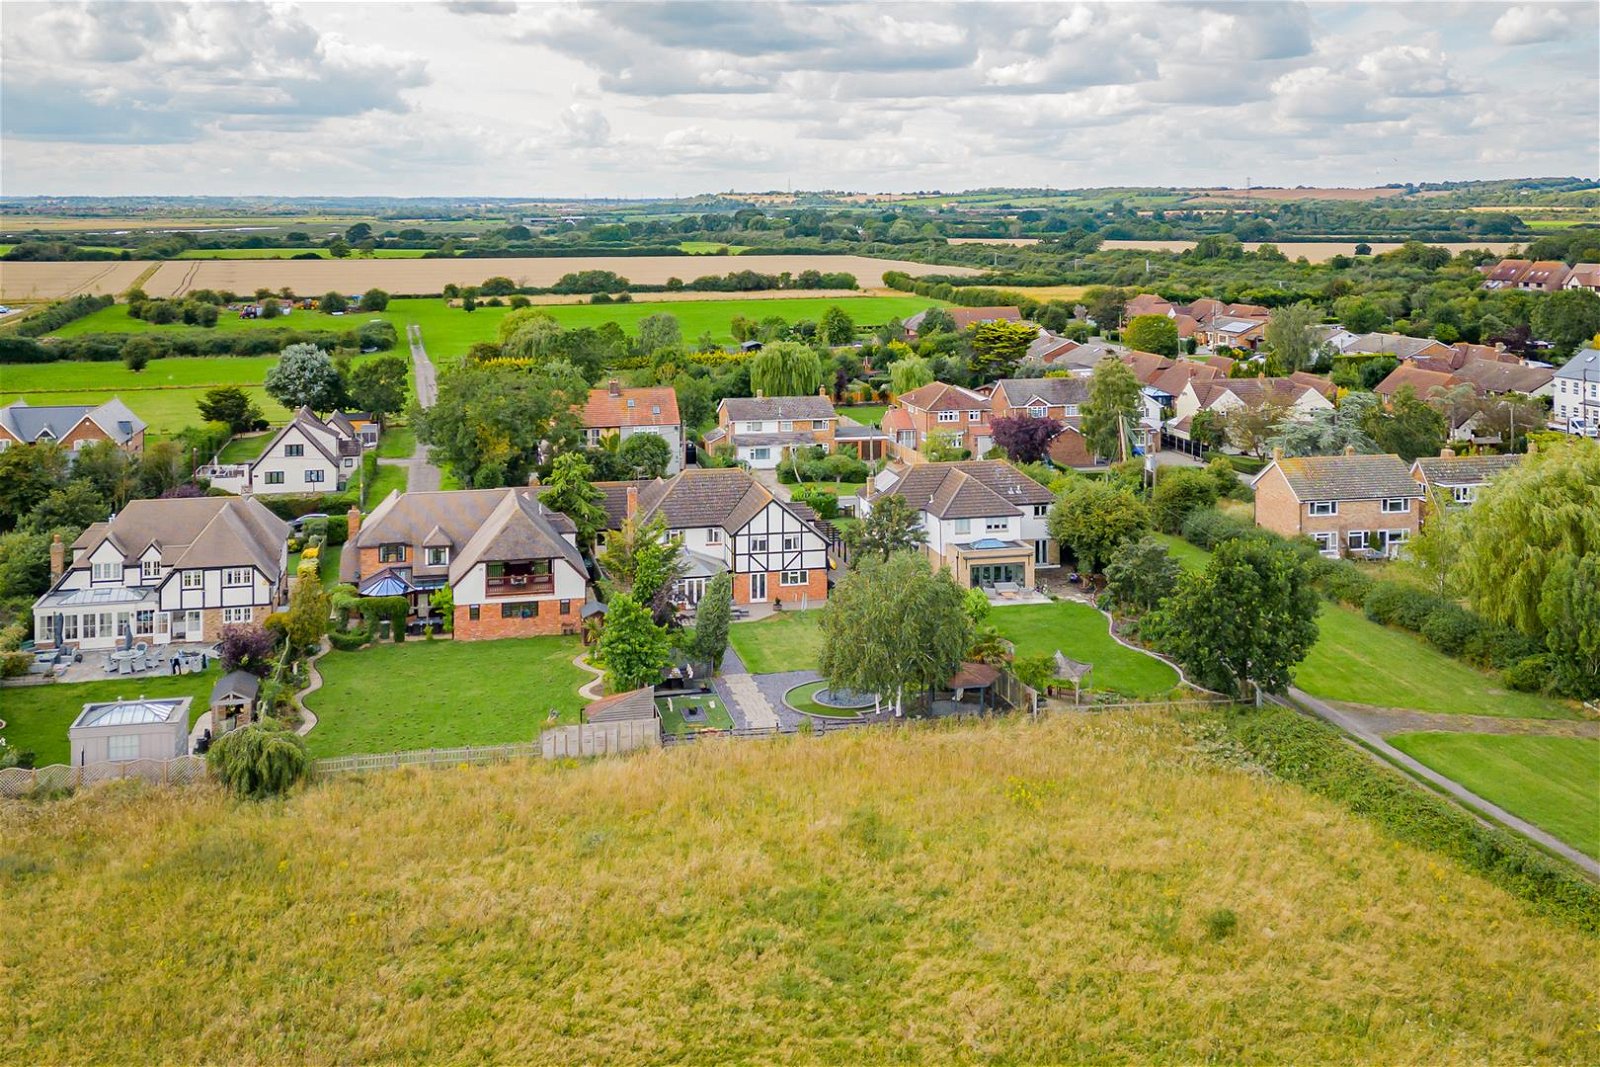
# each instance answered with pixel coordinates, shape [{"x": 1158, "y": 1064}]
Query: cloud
[
  {"x": 481, "y": 7},
  {"x": 1529, "y": 25}
]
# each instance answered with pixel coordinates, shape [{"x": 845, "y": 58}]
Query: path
[
  {"x": 1356, "y": 727},
  {"x": 593, "y": 688},
  {"x": 1401, "y": 721},
  {"x": 308, "y": 718},
  {"x": 737, "y": 687},
  {"x": 423, "y": 477}
]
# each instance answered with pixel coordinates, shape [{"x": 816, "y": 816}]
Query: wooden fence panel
[{"x": 600, "y": 738}]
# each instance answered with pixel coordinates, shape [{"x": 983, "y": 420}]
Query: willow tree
[{"x": 786, "y": 368}]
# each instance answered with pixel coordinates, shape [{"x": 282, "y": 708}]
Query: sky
[{"x": 668, "y": 99}]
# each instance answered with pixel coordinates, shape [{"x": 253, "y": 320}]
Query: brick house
[
  {"x": 958, "y": 415},
  {"x": 72, "y": 425},
  {"x": 165, "y": 571},
  {"x": 965, "y": 318},
  {"x": 760, "y": 431},
  {"x": 512, "y": 564},
  {"x": 625, "y": 412},
  {"x": 1061, "y": 399},
  {"x": 730, "y": 522},
  {"x": 1454, "y": 480},
  {"x": 1348, "y": 504}
]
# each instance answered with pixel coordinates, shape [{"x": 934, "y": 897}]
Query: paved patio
[{"x": 93, "y": 667}]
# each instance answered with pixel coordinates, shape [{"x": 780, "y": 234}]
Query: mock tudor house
[
  {"x": 958, "y": 415},
  {"x": 512, "y": 564},
  {"x": 164, "y": 571},
  {"x": 760, "y": 431},
  {"x": 72, "y": 425},
  {"x": 625, "y": 412},
  {"x": 730, "y": 522},
  {"x": 1455, "y": 480},
  {"x": 985, "y": 520},
  {"x": 1575, "y": 395},
  {"x": 1348, "y": 504},
  {"x": 307, "y": 456}
]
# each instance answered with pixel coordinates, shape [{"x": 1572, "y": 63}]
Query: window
[
  {"x": 714, "y": 535},
  {"x": 758, "y": 544},
  {"x": 1396, "y": 505},
  {"x": 1324, "y": 507},
  {"x": 794, "y": 578},
  {"x": 1464, "y": 494},
  {"x": 144, "y": 622},
  {"x": 566, "y": 607},
  {"x": 273, "y": 478},
  {"x": 69, "y": 627},
  {"x": 786, "y": 425},
  {"x": 1041, "y": 510},
  {"x": 1325, "y": 541},
  {"x": 1038, "y": 411},
  {"x": 236, "y": 576},
  {"x": 996, "y": 525},
  {"x": 150, "y": 568},
  {"x": 1071, "y": 410},
  {"x": 121, "y": 749},
  {"x": 1356, "y": 539},
  {"x": 473, "y": 613},
  {"x": 236, "y": 615},
  {"x": 761, "y": 453},
  {"x": 194, "y": 579},
  {"x": 107, "y": 572},
  {"x": 974, "y": 416},
  {"x": 439, "y": 556},
  {"x": 315, "y": 476},
  {"x": 393, "y": 552},
  {"x": 525, "y": 610},
  {"x": 1041, "y": 552},
  {"x": 754, "y": 427},
  {"x": 949, "y": 416},
  {"x": 963, "y": 526},
  {"x": 791, "y": 542},
  {"x": 294, "y": 451},
  {"x": 89, "y": 628}
]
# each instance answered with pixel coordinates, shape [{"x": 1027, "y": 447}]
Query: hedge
[
  {"x": 59, "y": 314},
  {"x": 107, "y": 347}
]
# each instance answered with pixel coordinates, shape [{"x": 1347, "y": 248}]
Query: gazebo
[
  {"x": 233, "y": 697},
  {"x": 979, "y": 676},
  {"x": 1071, "y": 670}
]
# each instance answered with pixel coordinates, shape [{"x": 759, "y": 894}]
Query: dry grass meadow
[
  {"x": 1073, "y": 890},
  {"x": 1315, "y": 251}
]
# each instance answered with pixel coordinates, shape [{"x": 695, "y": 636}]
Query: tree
[
  {"x": 1178, "y": 491},
  {"x": 643, "y": 560},
  {"x": 359, "y": 232},
  {"x": 646, "y": 455},
  {"x": 246, "y": 647},
  {"x": 786, "y": 368},
  {"x": 162, "y": 467},
  {"x": 936, "y": 320},
  {"x": 1106, "y": 306},
  {"x": 492, "y": 424},
  {"x": 1358, "y": 314},
  {"x": 894, "y": 625},
  {"x": 77, "y": 504},
  {"x": 1436, "y": 552},
  {"x": 1113, "y": 403},
  {"x": 1152, "y": 333},
  {"x": 1567, "y": 319},
  {"x": 379, "y": 385},
  {"x": 1291, "y": 335},
  {"x": 912, "y": 372},
  {"x": 632, "y": 647},
  {"x": 1524, "y": 524},
  {"x": 231, "y": 405},
  {"x": 332, "y": 302},
  {"x": 1206, "y": 430},
  {"x": 263, "y": 759},
  {"x": 713, "y": 618},
  {"x": 1570, "y": 612},
  {"x": 113, "y": 472},
  {"x": 1252, "y": 426},
  {"x": 138, "y": 352},
  {"x": 305, "y": 376},
  {"x": 1328, "y": 431},
  {"x": 1141, "y": 575},
  {"x": 374, "y": 300},
  {"x": 659, "y": 331},
  {"x": 308, "y": 613},
  {"x": 836, "y": 326},
  {"x": 998, "y": 346},
  {"x": 1024, "y": 439},
  {"x": 1408, "y": 427},
  {"x": 571, "y": 492},
  {"x": 892, "y": 526},
  {"x": 1249, "y": 618},
  {"x": 27, "y": 476},
  {"x": 1092, "y": 517}
]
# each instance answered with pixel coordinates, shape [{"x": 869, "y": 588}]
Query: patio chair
[
  {"x": 111, "y": 664},
  {"x": 125, "y": 665}
]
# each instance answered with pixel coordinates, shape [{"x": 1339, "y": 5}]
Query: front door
[{"x": 758, "y": 587}]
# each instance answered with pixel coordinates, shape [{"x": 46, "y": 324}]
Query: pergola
[{"x": 1074, "y": 671}]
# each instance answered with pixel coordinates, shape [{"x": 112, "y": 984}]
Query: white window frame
[
  {"x": 761, "y": 453},
  {"x": 963, "y": 526},
  {"x": 144, "y": 622},
  {"x": 996, "y": 525},
  {"x": 1321, "y": 508},
  {"x": 1396, "y": 505},
  {"x": 105, "y": 572},
  {"x": 1464, "y": 494},
  {"x": 438, "y": 555},
  {"x": 194, "y": 579},
  {"x": 949, "y": 416},
  {"x": 1357, "y": 540},
  {"x": 758, "y": 544},
  {"x": 1038, "y": 411},
  {"x": 713, "y": 535},
  {"x": 791, "y": 542},
  {"x": 272, "y": 478},
  {"x": 150, "y": 568},
  {"x": 316, "y": 475},
  {"x": 785, "y": 425},
  {"x": 1326, "y": 540},
  {"x": 236, "y": 577},
  {"x": 1041, "y": 511},
  {"x": 974, "y": 416},
  {"x": 792, "y": 578},
  {"x": 232, "y": 616},
  {"x": 123, "y": 749}
]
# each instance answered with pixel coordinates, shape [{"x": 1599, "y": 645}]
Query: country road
[{"x": 421, "y": 476}]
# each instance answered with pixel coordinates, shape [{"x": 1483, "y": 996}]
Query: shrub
[
  {"x": 1208, "y": 528},
  {"x": 248, "y": 647},
  {"x": 349, "y": 640},
  {"x": 1530, "y": 674},
  {"x": 336, "y": 528},
  {"x": 1342, "y": 581},
  {"x": 15, "y": 664},
  {"x": 1499, "y": 647},
  {"x": 1178, "y": 493},
  {"x": 1450, "y": 628},
  {"x": 1399, "y": 605},
  {"x": 261, "y": 760}
]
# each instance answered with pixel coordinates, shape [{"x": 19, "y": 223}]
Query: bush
[
  {"x": 1342, "y": 581},
  {"x": 1208, "y": 528},
  {"x": 15, "y": 664},
  {"x": 1529, "y": 675},
  {"x": 1450, "y": 628},
  {"x": 336, "y": 528},
  {"x": 1499, "y": 647},
  {"x": 1178, "y": 493},
  {"x": 261, "y": 760},
  {"x": 1399, "y": 605},
  {"x": 349, "y": 640}
]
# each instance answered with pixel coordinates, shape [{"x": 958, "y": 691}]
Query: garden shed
[
  {"x": 233, "y": 700},
  {"x": 622, "y": 707},
  {"x": 121, "y": 730}
]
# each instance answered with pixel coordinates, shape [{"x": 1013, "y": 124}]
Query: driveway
[{"x": 422, "y": 476}]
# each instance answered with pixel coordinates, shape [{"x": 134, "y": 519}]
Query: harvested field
[
  {"x": 1294, "y": 194},
  {"x": 1316, "y": 251},
  {"x": 21, "y": 282},
  {"x": 430, "y": 276}
]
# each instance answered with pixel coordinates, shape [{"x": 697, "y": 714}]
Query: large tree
[
  {"x": 1251, "y": 427},
  {"x": 379, "y": 385},
  {"x": 1291, "y": 336},
  {"x": 836, "y": 326},
  {"x": 1152, "y": 333},
  {"x": 645, "y": 455},
  {"x": 713, "y": 617},
  {"x": 1409, "y": 426},
  {"x": 892, "y": 526},
  {"x": 894, "y": 626},
  {"x": 1113, "y": 403},
  {"x": 659, "y": 331},
  {"x": 1358, "y": 314},
  {"x": 1567, "y": 319},
  {"x": 571, "y": 492},
  {"x": 911, "y": 372},
  {"x": 997, "y": 348},
  {"x": 305, "y": 376},
  {"x": 231, "y": 405},
  {"x": 1141, "y": 575},
  {"x": 1434, "y": 555},
  {"x": 632, "y": 647},
  {"x": 786, "y": 368},
  {"x": 1250, "y": 617},
  {"x": 492, "y": 424},
  {"x": 1177, "y": 492},
  {"x": 27, "y": 476},
  {"x": 1024, "y": 439},
  {"x": 1092, "y": 518},
  {"x": 1328, "y": 431},
  {"x": 1570, "y": 612},
  {"x": 643, "y": 560}
]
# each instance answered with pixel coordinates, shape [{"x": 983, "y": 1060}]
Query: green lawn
[
  {"x": 836, "y": 488},
  {"x": 800, "y": 698},
  {"x": 789, "y": 641},
  {"x": 242, "y": 449},
  {"x": 390, "y": 476},
  {"x": 328, "y": 568},
  {"x": 1082, "y": 633},
  {"x": 1553, "y": 782},
  {"x": 115, "y": 319},
  {"x": 397, "y": 442},
  {"x": 717, "y": 717},
  {"x": 1192, "y": 557},
  {"x": 37, "y": 716},
  {"x": 865, "y": 414},
  {"x": 443, "y": 694},
  {"x": 710, "y": 248}
]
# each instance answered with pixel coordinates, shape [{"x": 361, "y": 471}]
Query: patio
[{"x": 157, "y": 660}]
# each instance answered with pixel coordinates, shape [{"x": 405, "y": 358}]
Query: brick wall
[
  {"x": 490, "y": 624},
  {"x": 815, "y": 591},
  {"x": 1277, "y": 508}
]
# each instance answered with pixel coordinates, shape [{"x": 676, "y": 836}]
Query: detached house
[
  {"x": 512, "y": 564},
  {"x": 72, "y": 426},
  {"x": 1575, "y": 395},
  {"x": 985, "y": 520},
  {"x": 307, "y": 456},
  {"x": 959, "y": 416},
  {"x": 965, "y": 318},
  {"x": 625, "y": 412},
  {"x": 760, "y": 431},
  {"x": 1348, "y": 504},
  {"x": 1061, "y": 399},
  {"x": 730, "y": 522},
  {"x": 1583, "y": 276},
  {"x": 164, "y": 571}
]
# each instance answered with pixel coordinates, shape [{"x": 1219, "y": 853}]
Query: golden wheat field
[
  {"x": 22, "y": 282},
  {"x": 1078, "y": 889},
  {"x": 1314, "y": 251}
]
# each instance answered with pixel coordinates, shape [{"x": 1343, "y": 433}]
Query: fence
[
  {"x": 818, "y": 727},
  {"x": 1066, "y": 704},
  {"x": 21, "y": 781},
  {"x": 600, "y": 738},
  {"x": 473, "y": 755}
]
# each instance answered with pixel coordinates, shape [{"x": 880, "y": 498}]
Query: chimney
[
  {"x": 58, "y": 558},
  {"x": 822, "y": 391},
  {"x": 761, "y": 394},
  {"x": 1447, "y": 453},
  {"x": 1349, "y": 450},
  {"x": 353, "y": 517},
  {"x": 1277, "y": 453},
  {"x": 614, "y": 387},
  {"x": 632, "y": 508}
]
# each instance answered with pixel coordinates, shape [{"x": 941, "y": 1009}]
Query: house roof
[
  {"x": 1347, "y": 477},
  {"x": 850, "y": 430},
  {"x": 1146, "y": 366},
  {"x": 650, "y": 406},
  {"x": 1488, "y": 376},
  {"x": 1172, "y": 379},
  {"x": 895, "y": 420},
  {"x": 968, "y": 489},
  {"x": 1397, "y": 344},
  {"x": 1463, "y": 470},
  {"x": 191, "y": 533},
  {"x": 1147, "y": 304},
  {"x": 758, "y": 408},
  {"x": 1546, "y": 272},
  {"x": 1583, "y": 366},
  {"x": 27, "y": 423},
  {"x": 1419, "y": 378},
  {"x": 621, "y": 707},
  {"x": 1251, "y": 390},
  {"x": 236, "y": 685},
  {"x": 519, "y": 527},
  {"x": 1323, "y": 386},
  {"x": 941, "y": 396},
  {"x": 1056, "y": 392},
  {"x": 1585, "y": 274},
  {"x": 728, "y": 497},
  {"x": 1509, "y": 270},
  {"x": 438, "y": 519}
]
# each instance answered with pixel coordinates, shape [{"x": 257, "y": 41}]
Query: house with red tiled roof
[
  {"x": 625, "y": 412},
  {"x": 949, "y": 412},
  {"x": 1505, "y": 274},
  {"x": 1583, "y": 276},
  {"x": 1222, "y": 395},
  {"x": 1545, "y": 276}
]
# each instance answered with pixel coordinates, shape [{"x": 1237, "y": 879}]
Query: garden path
[
  {"x": 423, "y": 476},
  {"x": 743, "y": 698}
]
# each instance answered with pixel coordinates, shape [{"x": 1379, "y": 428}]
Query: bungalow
[
  {"x": 1486, "y": 377},
  {"x": 163, "y": 571},
  {"x": 512, "y": 564},
  {"x": 949, "y": 412},
  {"x": 985, "y": 520},
  {"x": 1347, "y": 504},
  {"x": 1396, "y": 344},
  {"x": 1576, "y": 396},
  {"x": 1299, "y": 397},
  {"x": 309, "y": 455},
  {"x": 965, "y": 318},
  {"x": 625, "y": 412},
  {"x": 72, "y": 425},
  {"x": 1452, "y": 479}
]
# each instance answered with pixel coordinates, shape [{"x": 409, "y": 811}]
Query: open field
[
  {"x": 37, "y": 716},
  {"x": 865, "y": 414},
  {"x": 1016, "y": 242},
  {"x": 1553, "y": 782},
  {"x": 442, "y": 694},
  {"x": 710, "y": 248},
  {"x": 21, "y": 225},
  {"x": 1059, "y": 891},
  {"x": 1294, "y": 194},
  {"x": 290, "y": 253},
  {"x": 1083, "y": 634},
  {"x": 1050, "y": 292},
  {"x": 1316, "y": 251},
  {"x": 430, "y": 276},
  {"x": 166, "y": 411},
  {"x": 25, "y": 282}
]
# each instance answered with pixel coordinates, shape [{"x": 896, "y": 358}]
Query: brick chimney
[
  {"x": 822, "y": 391},
  {"x": 353, "y": 517},
  {"x": 58, "y": 558},
  {"x": 613, "y": 388},
  {"x": 632, "y": 507},
  {"x": 1349, "y": 450},
  {"x": 1447, "y": 453}
]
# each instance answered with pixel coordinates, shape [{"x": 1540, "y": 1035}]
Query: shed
[
  {"x": 622, "y": 707},
  {"x": 234, "y": 696},
  {"x": 121, "y": 730}
]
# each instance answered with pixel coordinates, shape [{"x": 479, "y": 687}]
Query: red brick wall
[
  {"x": 491, "y": 625},
  {"x": 815, "y": 591}
]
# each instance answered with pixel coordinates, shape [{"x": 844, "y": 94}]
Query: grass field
[
  {"x": 443, "y": 694},
  {"x": 290, "y": 253},
  {"x": 390, "y": 476},
  {"x": 37, "y": 716},
  {"x": 115, "y": 319},
  {"x": 790, "y": 641},
  {"x": 1076, "y": 889},
  {"x": 1083, "y": 634},
  {"x": 672, "y": 708},
  {"x": 710, "y": 248},
  {"x": 1553, "y": 782},
  {"x": 865, "y": 414},
  {"x": 242, "y": 449}
]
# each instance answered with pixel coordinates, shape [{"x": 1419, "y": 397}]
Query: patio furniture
[
  {"x": 1008, "y": 590},
  {"x": 111, "y": 663},
  {"x": 125, "y": 665}
]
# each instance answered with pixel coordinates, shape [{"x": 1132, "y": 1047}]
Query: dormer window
[
  {"x": 150, "y": 569},
  {"x": 439, "y": 556},
  {"x": 106, "y": 572},
  {"x": 394, "y": 552}
]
